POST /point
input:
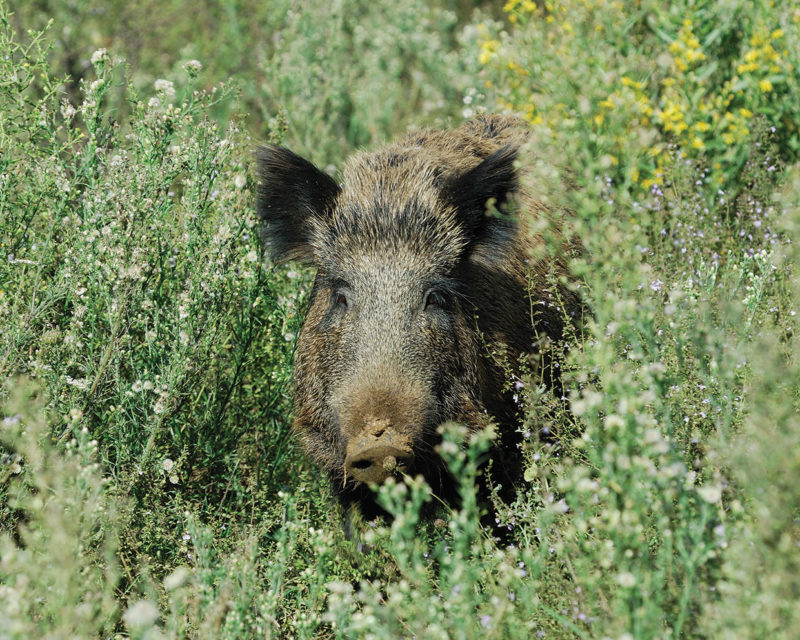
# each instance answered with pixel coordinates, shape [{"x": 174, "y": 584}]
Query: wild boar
[{"x": 418, "y": 281}]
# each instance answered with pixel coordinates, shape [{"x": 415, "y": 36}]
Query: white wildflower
[
  {"x": 168, "y": 464},
  {"x": 154, "y": 103},
  {"x": 11, "y": 598},
  {"x": 100, "y": 55},
  {"x": 449, "y": 448},
  {"x": 340, "y": 588},
  {"x": 176, "y": 579},
  {"x": 193, "y": 66},
  {"x": 239, "y": 181},
  {"x": 141, "y": 615},
  {"x": 710, "y": 493},
  {"x": 80, "y": 383},
  {"x": 626, "y": 579},
  {"x": 67, "y": 110},
  {"x": 166, "y": 86},
  {"x": 561, "y": 506},
  {"x": 252, "y": 256}
]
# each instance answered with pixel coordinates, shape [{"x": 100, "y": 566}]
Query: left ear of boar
[{"x": 291, "y": 193}]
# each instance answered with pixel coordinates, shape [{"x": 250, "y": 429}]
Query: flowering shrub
[{"x": 638, "y": 77}]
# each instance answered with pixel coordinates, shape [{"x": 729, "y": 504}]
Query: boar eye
[
  {"x": 435, "y": 299},
  {"x": 340, "y": 300}
]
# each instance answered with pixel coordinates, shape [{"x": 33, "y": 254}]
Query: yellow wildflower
[
  {"x": 694, "y": 55},
  {"x": 628, "y": 82},
  {"x": 692, "y": 42},
  {"x": 489, "y": 49},
  {"x": 649, "y": 182},
  {"x": 765, "y": 85}
]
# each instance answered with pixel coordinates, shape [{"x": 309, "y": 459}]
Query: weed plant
[{"x": 149, "y": 483}]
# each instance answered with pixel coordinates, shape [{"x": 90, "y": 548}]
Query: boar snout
[{"x": 376, "y": 453}]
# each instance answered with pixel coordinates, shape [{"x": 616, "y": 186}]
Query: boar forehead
[{"x": 390, "y": 208}]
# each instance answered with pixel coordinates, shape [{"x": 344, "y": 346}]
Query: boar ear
[
  {"x": 494, "y": 178},
  {"x": 291, "y": 192}
]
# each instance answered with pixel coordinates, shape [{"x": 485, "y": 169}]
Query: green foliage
[
  {"x": 58, "y": 567},
  {"x": 149, "y": 483},
  {"x": 337, "y": 75}
]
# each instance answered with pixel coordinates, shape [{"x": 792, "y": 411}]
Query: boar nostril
[{"x": 375, "y": 464}]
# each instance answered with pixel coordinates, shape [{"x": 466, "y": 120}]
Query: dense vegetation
[{"x": 149, "y": 484}]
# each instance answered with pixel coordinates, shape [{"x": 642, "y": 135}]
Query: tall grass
[{"x": 149, "y": 483}]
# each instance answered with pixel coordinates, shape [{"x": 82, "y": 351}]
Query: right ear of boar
[
  {"x": 291, "y": 192},
  {"x": 495, "y": 178}
]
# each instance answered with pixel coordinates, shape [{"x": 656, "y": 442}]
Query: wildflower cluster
[{"x": 688, "y": 84}]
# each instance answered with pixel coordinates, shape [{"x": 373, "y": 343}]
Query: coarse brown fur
[{"x": 416, "y": 283}]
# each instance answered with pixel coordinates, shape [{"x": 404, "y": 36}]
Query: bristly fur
[{"x": 409, "y": 225}]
